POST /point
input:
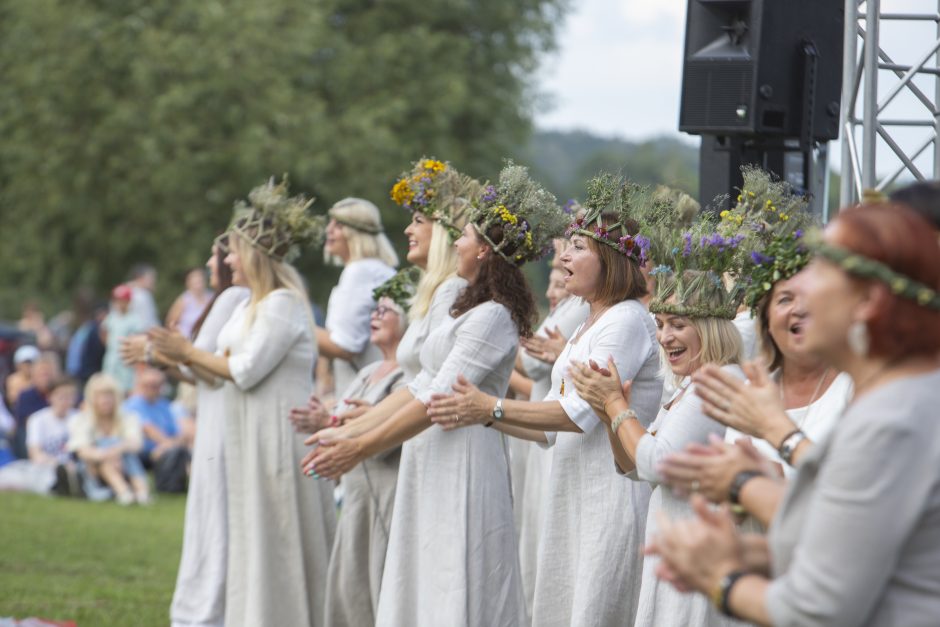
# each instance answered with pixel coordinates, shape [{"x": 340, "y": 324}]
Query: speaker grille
[{"x": 712, "y": 94}]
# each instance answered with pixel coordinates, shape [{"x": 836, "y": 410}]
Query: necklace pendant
[{"x": 561, "y": 389}]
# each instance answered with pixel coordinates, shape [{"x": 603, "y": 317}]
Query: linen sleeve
[
  {"x": 627, "y": 339},
  {"x": 685, "y": 423},
  {"x": 351, "y": 303},
  {"x": 279, "y": 322},
  {"x": 869, "y": 497},
  {"x": 483, "y": 340},
  {"x": 218, "y": 315}
]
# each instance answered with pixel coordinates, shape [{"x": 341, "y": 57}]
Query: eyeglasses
[{"x": 379, "y": 312}]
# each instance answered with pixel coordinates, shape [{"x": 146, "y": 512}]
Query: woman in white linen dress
[
  {"x": 280, "y": 527},
  {"x": 452, "y": 555},
  {"x": 354, "y": 239},
  {"x": 687, "y": 342},
  {"x": 591, "y": 513},
  {"x": 199, "y": 598}
]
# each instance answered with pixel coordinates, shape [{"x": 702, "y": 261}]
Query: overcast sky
[{"x": 618, "y": 69}]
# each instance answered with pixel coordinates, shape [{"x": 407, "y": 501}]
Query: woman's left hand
[
  {"x": 710, "y": 469},
  {"x": 600, "y": 387},
  {"x": 466, "y": 406},
  {"x": 171, "y": 344},
  {"x": 335, "y": 455},
  {"x": 697, "y": 552},
  {"x": 133, "y": 349},
  {"x": 752, "y": 407}
]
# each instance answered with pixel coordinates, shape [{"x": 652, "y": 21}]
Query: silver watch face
[{"x": 497, "y": 412}]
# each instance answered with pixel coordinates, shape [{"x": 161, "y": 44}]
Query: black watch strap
[{"x": 734, "y": 492}]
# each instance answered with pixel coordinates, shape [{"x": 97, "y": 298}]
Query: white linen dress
[
  {"x": 354, "y": 577},
  {"x": 452, "y": 554},
  {"x": 408, "y": 355},
  {"x": 348, "y": 313},
  {"x": 199, "y": 598},
  {"x": 674, "y": 428},
  {"x": 530, "y": 491},
  {"x": 589, "y": 560},
  {"x": 281, "y": 523}
]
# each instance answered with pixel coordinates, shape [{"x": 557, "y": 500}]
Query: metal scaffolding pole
[{"x": 869, "y": 135}]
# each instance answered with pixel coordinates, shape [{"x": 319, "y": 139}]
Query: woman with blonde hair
[
  {"x": 107, "y": 441},
  {"x": 280, "y": 528},
  {"x": 694, "y": 313},
  {"x": 452, "y": 552},
  {"x": 355, "y": 239}
]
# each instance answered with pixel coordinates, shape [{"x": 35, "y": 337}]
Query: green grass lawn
[{"x": 93, "y": 563}]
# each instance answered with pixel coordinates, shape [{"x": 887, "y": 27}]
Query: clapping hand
[{"x": 546, "y": 348}]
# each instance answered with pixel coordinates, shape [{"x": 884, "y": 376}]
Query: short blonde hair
[
  {"x": 442, "y": 265},
  {"x": 361, "y": 223}
]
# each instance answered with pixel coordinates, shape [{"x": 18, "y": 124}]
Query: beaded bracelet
[{"x": 621, "y": 417}]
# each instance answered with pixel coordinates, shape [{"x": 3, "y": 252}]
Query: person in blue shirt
[{"x": 162, "y": 431}]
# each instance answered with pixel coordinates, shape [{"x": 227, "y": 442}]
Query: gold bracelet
[{"x": 621, "y": 417}]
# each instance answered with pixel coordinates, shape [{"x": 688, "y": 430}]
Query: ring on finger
[
  {"x": 695, "y": 485},
  {"x": 456, "y": 418}
]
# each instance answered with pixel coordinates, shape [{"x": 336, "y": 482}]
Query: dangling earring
[{"x": 858, "y": 338}]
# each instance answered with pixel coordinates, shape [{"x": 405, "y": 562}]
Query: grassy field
[{"x": 97, "y": 564}]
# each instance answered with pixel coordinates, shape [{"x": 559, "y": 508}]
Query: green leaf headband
[
  {"x": 867, "y": 268},
  {"x": 400, "y": 288}
]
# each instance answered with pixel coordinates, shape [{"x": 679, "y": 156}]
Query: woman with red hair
[{"x": 855, "y": 539}]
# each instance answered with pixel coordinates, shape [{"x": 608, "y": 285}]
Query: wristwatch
[
  {"x": 789, "y": 444},
  {"x": 734, "y": 492},
  {"x": 498, "y": 410}
]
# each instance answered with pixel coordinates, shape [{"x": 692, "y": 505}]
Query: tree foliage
[{"x": 130, "y": 126}]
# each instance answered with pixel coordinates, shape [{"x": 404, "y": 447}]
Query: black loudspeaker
[{"x": 763, "y": 68}]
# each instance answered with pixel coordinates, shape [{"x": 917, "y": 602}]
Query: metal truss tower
[{"x": 890, "y": 110}]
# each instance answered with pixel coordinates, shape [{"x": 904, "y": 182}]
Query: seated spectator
[
  {"x": 7, "y": 430},
  {"x": 188, "y": 306},
  {"x": 21, "y": 377},
  {"x": 34, "y": 398},
  {"x": 107, "y": 442},
  {"x": 33, "y": 321},
  {"x": 162, "y": 431},
  {"x": 47, "y": 434},
  {"x": 47, "y": 430},
  {"x": 167, "y": 441}
]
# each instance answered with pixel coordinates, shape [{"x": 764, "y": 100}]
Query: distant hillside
[{"x": 564, "y": 161}]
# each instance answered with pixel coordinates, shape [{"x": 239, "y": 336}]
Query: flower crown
[
  {"x": 274, "y": 223},
  {"x": 695, "y": 270},
  {"x": 609, "y": 194},
  {"x": 774, "y": 220},
  {"x": 867, "y": 268},
  {"x": 437, "y": 190},
  {"x": 527, "y": 214},
  {"x": 400, "y": 288}
]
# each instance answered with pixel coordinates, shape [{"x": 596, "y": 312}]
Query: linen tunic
[
  {"x": 199, "y": 598},
  {"x": 530, "y": 486},
  {"x": 408, "y": 355},
  {"x": 348, "y": 313},
  {"x": 856, "y": 540},
  {"x": 674, "y": 428},
  {"x": 452, "y": 554},
  {"x": 589, "y": 560},
  {"x": 281, "y": 523},
  {"x": 354, "y": 577}
]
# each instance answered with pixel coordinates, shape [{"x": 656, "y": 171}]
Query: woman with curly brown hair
[
  {"x": 590, "y": 512},
  {"x": 452, "y": 552}
]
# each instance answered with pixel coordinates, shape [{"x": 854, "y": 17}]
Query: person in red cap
[{"x": 119, "y": 323}]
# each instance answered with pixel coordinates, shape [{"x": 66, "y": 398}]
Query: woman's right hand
[{"x": 600, "y": 386}]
